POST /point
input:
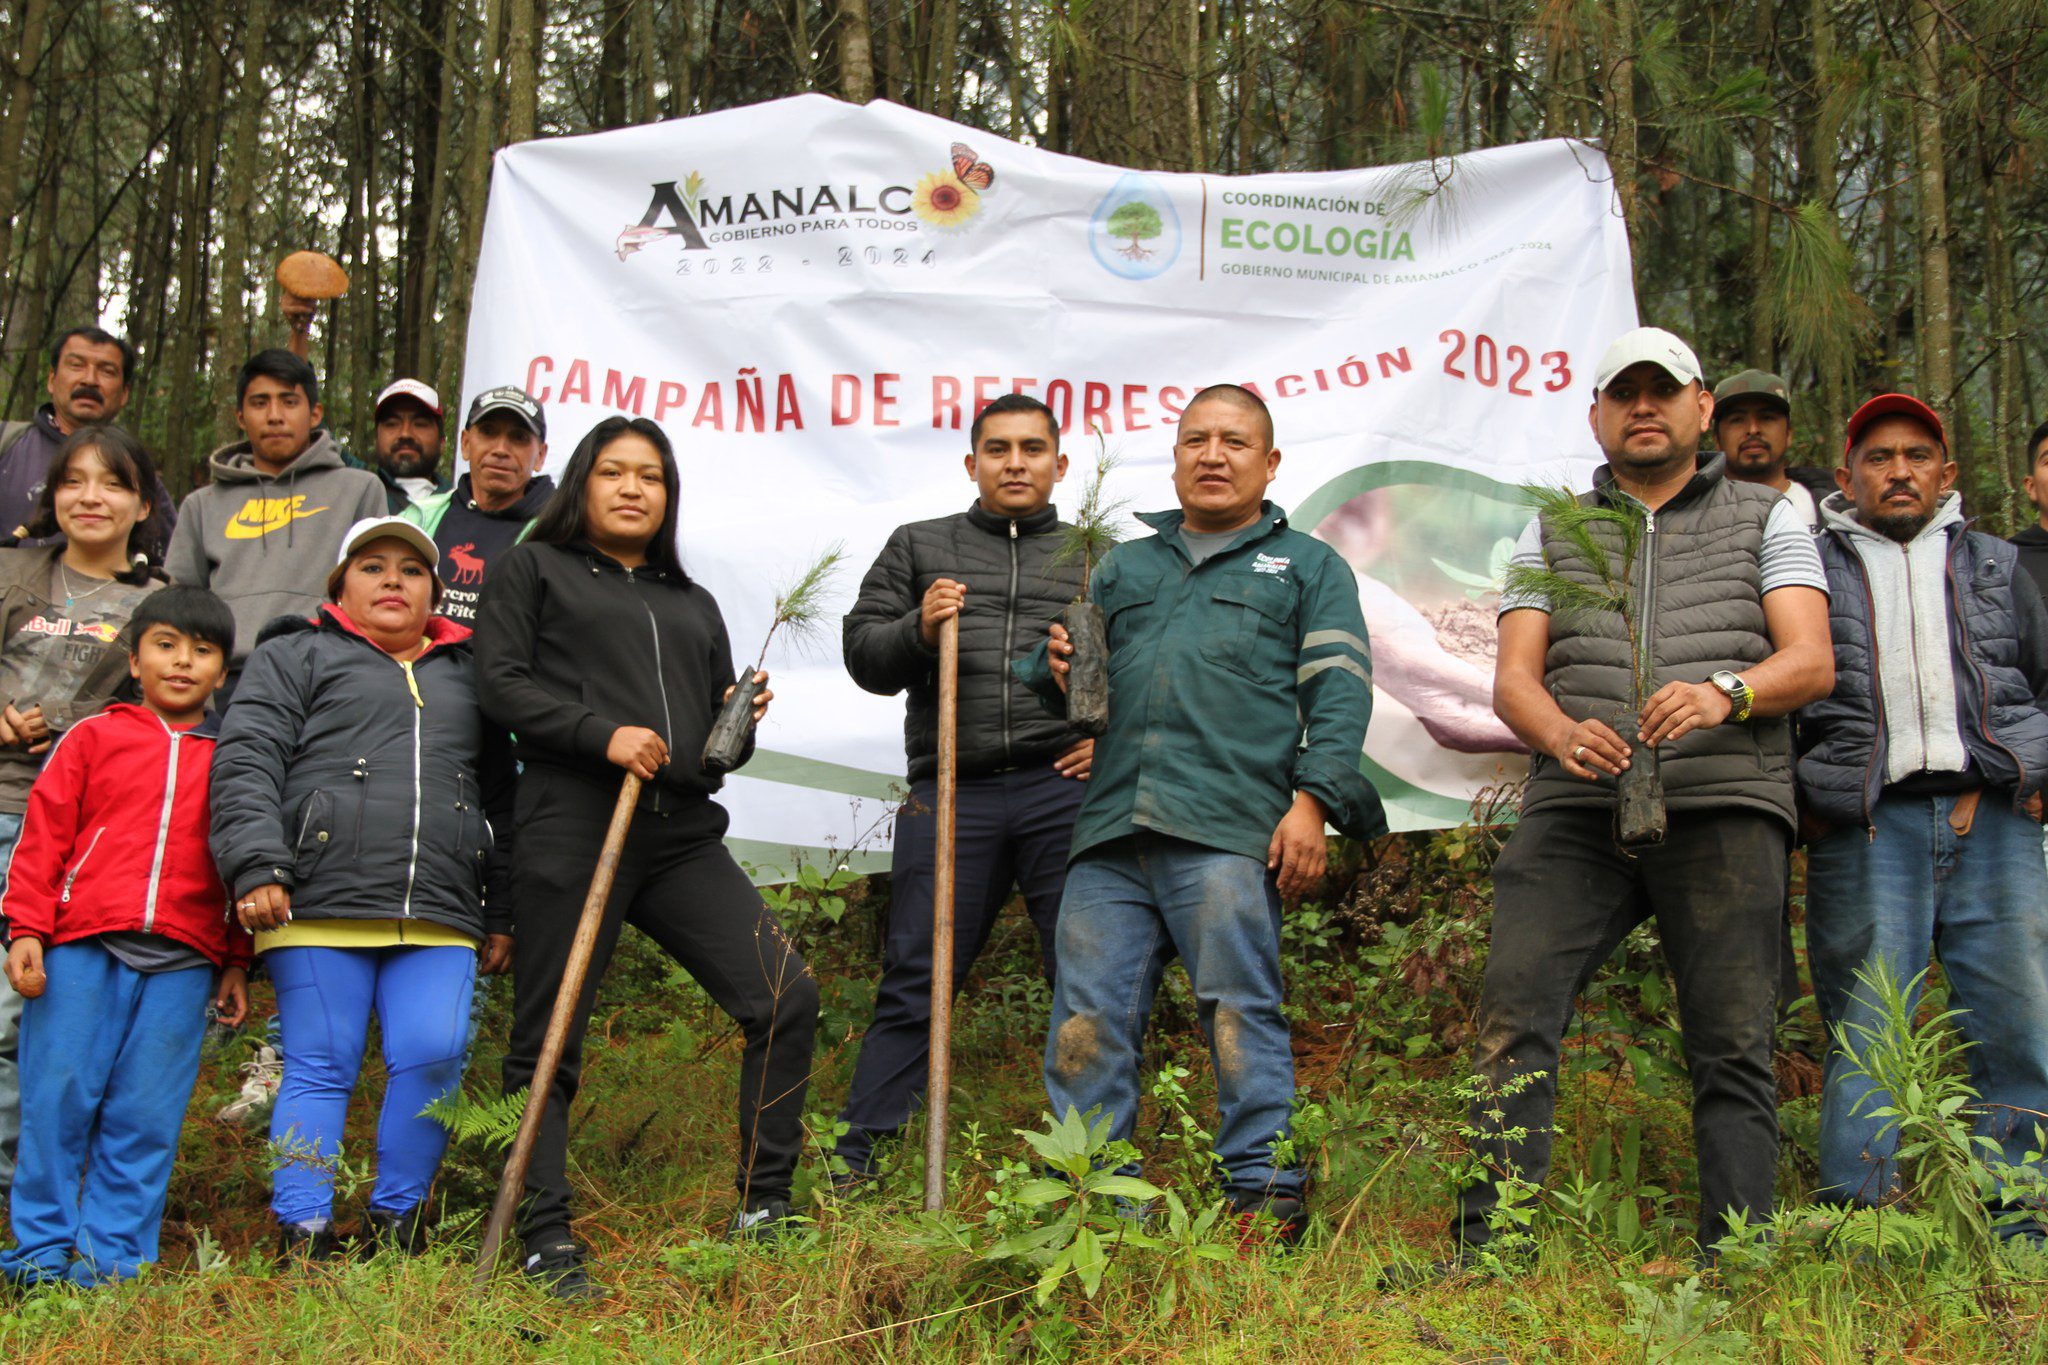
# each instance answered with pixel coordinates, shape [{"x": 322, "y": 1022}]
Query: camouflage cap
[{"x": 1753, "y": 384}]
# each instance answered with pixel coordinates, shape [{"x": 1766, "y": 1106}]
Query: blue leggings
[{"x": 325, "y": 997}]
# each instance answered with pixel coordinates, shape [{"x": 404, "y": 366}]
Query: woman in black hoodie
[{"x": 602, "y": 656}]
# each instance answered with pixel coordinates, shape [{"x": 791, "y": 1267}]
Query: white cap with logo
[
  {"x": 408, "y": 388},
  {"x": 378, "y": 528},
  {"x": 1648, "y": 344}
]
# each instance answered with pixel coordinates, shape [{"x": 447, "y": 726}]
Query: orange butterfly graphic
[{"x": 972, "y": 172}]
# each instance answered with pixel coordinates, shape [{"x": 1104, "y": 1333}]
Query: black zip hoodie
[{"x": 571, "y": 646}]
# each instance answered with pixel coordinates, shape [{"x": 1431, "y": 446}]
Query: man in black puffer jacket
[{"x": 1020, "y": 769}]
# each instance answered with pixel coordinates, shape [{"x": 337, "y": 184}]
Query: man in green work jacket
[{"x": 1240, "y": 685}]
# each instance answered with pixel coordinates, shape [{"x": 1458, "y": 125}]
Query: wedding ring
[{"x": 1579, "y": 754}]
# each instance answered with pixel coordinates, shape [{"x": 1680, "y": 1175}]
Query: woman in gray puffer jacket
[{"x": 349, "y": 793}]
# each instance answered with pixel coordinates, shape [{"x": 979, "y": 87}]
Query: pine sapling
[
  {"x": 801, "y": 613},
  {"x": 1090, "y": 536}
]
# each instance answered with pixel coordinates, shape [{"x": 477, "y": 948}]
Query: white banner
[{"x": 813, "y": 298}]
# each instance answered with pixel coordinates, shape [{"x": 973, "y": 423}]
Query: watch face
[{"x": 1726, "y": 681}]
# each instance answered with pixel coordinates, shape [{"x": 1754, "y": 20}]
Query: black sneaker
[
  {"x": 301, "y": 1245},
  {"x": 762, "y": 1220},
  {"x": 1268, "y": 1219},
  {"x": 556, "y": 1265},
  {"x": 403, "y": 1233}
]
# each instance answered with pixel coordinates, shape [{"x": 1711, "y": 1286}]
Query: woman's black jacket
[
  {"x": 361, "y": 783},
  {"x": 571, "y": 646}
]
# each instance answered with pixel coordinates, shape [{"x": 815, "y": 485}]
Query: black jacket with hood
[
  {"x": 2033, "y": 548},
  {"x": 362, "y": 783},
  {"x": 572, "y": 646}
]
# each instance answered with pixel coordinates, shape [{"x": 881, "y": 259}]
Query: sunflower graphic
[{"x": 945, "y": 201}]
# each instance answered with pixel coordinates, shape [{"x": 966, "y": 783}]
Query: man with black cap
[
  {"x": 504, "y": 443},
  {"x": 1919, "y": 781},
  {"x": 1753, "y": 428},
  {"x": 1733, "y": 608},
  {"x": 408, "y": 443}
]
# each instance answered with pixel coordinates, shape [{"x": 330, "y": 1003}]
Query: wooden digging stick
[
  {"x": 571, "y": 990},
  {"x": 938, "y": 1081}
]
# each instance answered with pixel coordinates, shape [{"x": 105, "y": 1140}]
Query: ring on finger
[{"x": 1579, "y": 754}]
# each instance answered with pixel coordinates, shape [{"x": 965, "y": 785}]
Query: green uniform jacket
[{"x": 1232, "y": 686}]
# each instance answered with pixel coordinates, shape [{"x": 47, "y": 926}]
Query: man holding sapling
[
  {"x": 998, "y": 567},
  {"x": 1240, "y": 686},
  {"x": 1919, "y": 784},
  {"x": 1724, "y": 592}
]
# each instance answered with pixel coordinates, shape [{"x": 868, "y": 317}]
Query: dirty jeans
[
  {"x": 1564, "y": 897},
  {"x": 1131, "y": 906},
  {"x": 1980, "y": 903}
]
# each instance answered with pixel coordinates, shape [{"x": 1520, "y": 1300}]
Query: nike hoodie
[{"x": 265, "y": 543}]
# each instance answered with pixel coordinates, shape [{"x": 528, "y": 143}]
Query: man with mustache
[
  {"x": 408, "y": 443},
  {"x": 90, "y": 370},
  {"x": 1920, "y": 778},
  {"x": 1753, "y": 428},
  {"x": 492, "y": 506},
  {"x": 1734, "y": 611}
]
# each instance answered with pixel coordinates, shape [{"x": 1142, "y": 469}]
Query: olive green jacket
[{"x": 1232, "y": 685}]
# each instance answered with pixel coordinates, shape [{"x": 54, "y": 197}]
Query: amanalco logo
[{"x": 945, "y": 200}]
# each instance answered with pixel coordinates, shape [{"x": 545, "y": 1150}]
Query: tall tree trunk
[
  {"x": 856, "y": 53},
  {"x": 476, "y": 163},
  {"x": 189, "y": 421},
  {"x": 1935, "y": 337},
  {"x": 429, "y": 349},
  {"x": 645, "y": 67},
  {"x": 1824, "y": 149},
  {"x": 1130, "y": 106},
  {"x": 680, "y": 87},
  {"x": 522, "y": 72},
  {"x": 613, "y": 65},
  {"x": 2006, "y": 419},
  {"x": 251, "y": 94},
  {"x": 1760, "y": 348},
  {"x": 943, "y": 60},
  {"x": 21, "y": 76},
  {"x": 1618, "y": 76}
]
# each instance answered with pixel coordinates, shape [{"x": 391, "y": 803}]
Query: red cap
[{"x": 1893, "y": 405}]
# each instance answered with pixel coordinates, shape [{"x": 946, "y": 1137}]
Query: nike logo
[{"x": 261, "y": 516}]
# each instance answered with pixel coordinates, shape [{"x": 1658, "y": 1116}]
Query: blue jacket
[{"x": 1998, "y": 654}]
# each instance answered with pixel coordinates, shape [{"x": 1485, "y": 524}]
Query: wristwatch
[{"x": 1739, "y": 694}]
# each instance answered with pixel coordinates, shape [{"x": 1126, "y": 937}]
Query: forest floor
[{"x": 1382, "y": 984}]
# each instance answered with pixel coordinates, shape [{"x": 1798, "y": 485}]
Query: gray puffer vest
[
  {"x": 1699, "y": 579},
  {"x": 1842, "y": 743}
]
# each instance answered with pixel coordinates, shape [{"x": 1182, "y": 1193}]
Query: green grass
[{"x": 1383, "y": 980}]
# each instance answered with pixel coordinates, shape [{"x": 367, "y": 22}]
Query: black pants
[
  {"x": 1564, "y": 898},
  {"x": 1010, "y": 828},
  {"x": 678, "y": 885}
]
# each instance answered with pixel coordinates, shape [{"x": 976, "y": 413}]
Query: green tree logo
[{"x": 1137, "y": 223}]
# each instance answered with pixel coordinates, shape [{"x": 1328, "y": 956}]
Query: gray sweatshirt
[{"x": 265, "y": 543}]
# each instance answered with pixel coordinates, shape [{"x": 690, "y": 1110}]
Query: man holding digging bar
[{"x": 997, "y": 567}]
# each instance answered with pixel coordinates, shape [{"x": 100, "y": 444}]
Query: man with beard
[
  {"x": 1753, "y": 428},
  {"x": 90, "y": 371},
  {"x": 408, "y": 443},
  {"x": 1734, "y": 611},
  {"x": 1920, "y": 779},
  {"x": 493, "y": 505}
]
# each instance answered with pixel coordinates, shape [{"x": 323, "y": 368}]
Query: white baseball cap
[
  {"x": 1651, "y": 344},
  {"x": 408, "y": 388},
  {"x": 378, "y": 528}
]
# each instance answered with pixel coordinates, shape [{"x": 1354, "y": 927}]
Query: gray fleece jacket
[{"x": 265, "y": 543}]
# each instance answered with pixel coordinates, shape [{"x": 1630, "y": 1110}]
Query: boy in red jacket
[{"x": 117, "y": 922}]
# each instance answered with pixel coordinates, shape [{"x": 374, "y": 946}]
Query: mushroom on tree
[{"x": 800, "y": 613}]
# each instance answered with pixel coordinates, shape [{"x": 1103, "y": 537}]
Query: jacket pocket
[
  {"x": 1247, "y": 625},
  {"x": 315, "y": 833},
  {"x": 472, "y": 830},
  {"x": 1126, "y": 607},
  {"x": 71, "y": 875}
]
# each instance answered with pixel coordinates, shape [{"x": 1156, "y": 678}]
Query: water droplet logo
[{"x": 1135, "y": 233}]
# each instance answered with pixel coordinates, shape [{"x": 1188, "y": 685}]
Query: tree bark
[
  {"x": 476, "y": 172},
  {"x": 523, "y": 19},
  {"x": 21, "y": 76},
  {"x": 251, "y": 97},
  {"x": 1618, "y": 78},
  {"x": 1131, "y": 98},
  {"x": 1934, "y": 341},
  {"x": 856, "y": 53},
  {"x": 1760, "y": 339},
  {"x": 1824, "y": 149}
]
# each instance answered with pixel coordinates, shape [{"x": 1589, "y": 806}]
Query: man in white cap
[
  {"x": 408, "y": 443},
  {"x": 1733, "y": 608}
]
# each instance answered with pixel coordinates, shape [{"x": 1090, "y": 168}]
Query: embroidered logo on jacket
[
  {"x": 261, "y": 516},
  {"x": 1265, "y": 563}
]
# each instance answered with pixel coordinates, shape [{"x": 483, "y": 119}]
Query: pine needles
[
  {"x": 1092, "y": 532},
  {"x": 802, "y": 609},
  {"x": 1810, "y": 294},
  {"x": 1611, "y": 557}
]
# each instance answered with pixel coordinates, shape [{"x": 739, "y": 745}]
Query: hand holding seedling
[
  {"x": 1678, "y": 708},
  {"x": 231, "y": 997},
  {"x": 761, "y": 698},
  {"x": 1590, "y": 748},
  {"x": 1299, "y": 849},
  {"x": 943, "y": 599},
  {"x": 638, "y": 750},
  {"x": 1057, "y": 653},
  {"x": 25, "y": 968},
  {"x": 1077, "y": 761}
]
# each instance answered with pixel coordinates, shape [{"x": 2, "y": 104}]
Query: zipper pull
[
  {"x": 1013, "y": 530},
  {"x": 412, "y": 685}
]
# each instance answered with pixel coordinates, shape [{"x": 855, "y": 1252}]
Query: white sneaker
[{"x": 259, "y": 1088}]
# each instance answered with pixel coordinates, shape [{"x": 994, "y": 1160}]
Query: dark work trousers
[
  {"x": 678, "y": 885},
  {"x": 1564, "y": 898},
  {"x": 1010, "y": 828}
]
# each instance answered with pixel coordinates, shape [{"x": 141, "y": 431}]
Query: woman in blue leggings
[{"x": 349, "y": 789}]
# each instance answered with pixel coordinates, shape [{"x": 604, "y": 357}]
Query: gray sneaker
[{"x": 260, "y": 1078}]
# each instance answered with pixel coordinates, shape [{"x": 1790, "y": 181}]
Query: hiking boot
[
  {"x": 555, "y": 1263},
  {"x": 260, "y": 1078},
  {"x": 762, "y": 1220},
  {"x": 403, "y": 1233},
  {"x": 1268, "y": 1219},
  {"x": 303, "y": 1244}
]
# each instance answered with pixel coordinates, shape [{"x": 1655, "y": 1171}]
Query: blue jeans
[
  {"x": 1130, "y": 907},
  {"x": 325, "y": 997},
  {"x": 10, "y": 1033},
  {"x": 1980, "y": 902},
  {"x": 109, "y": 1055}
]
